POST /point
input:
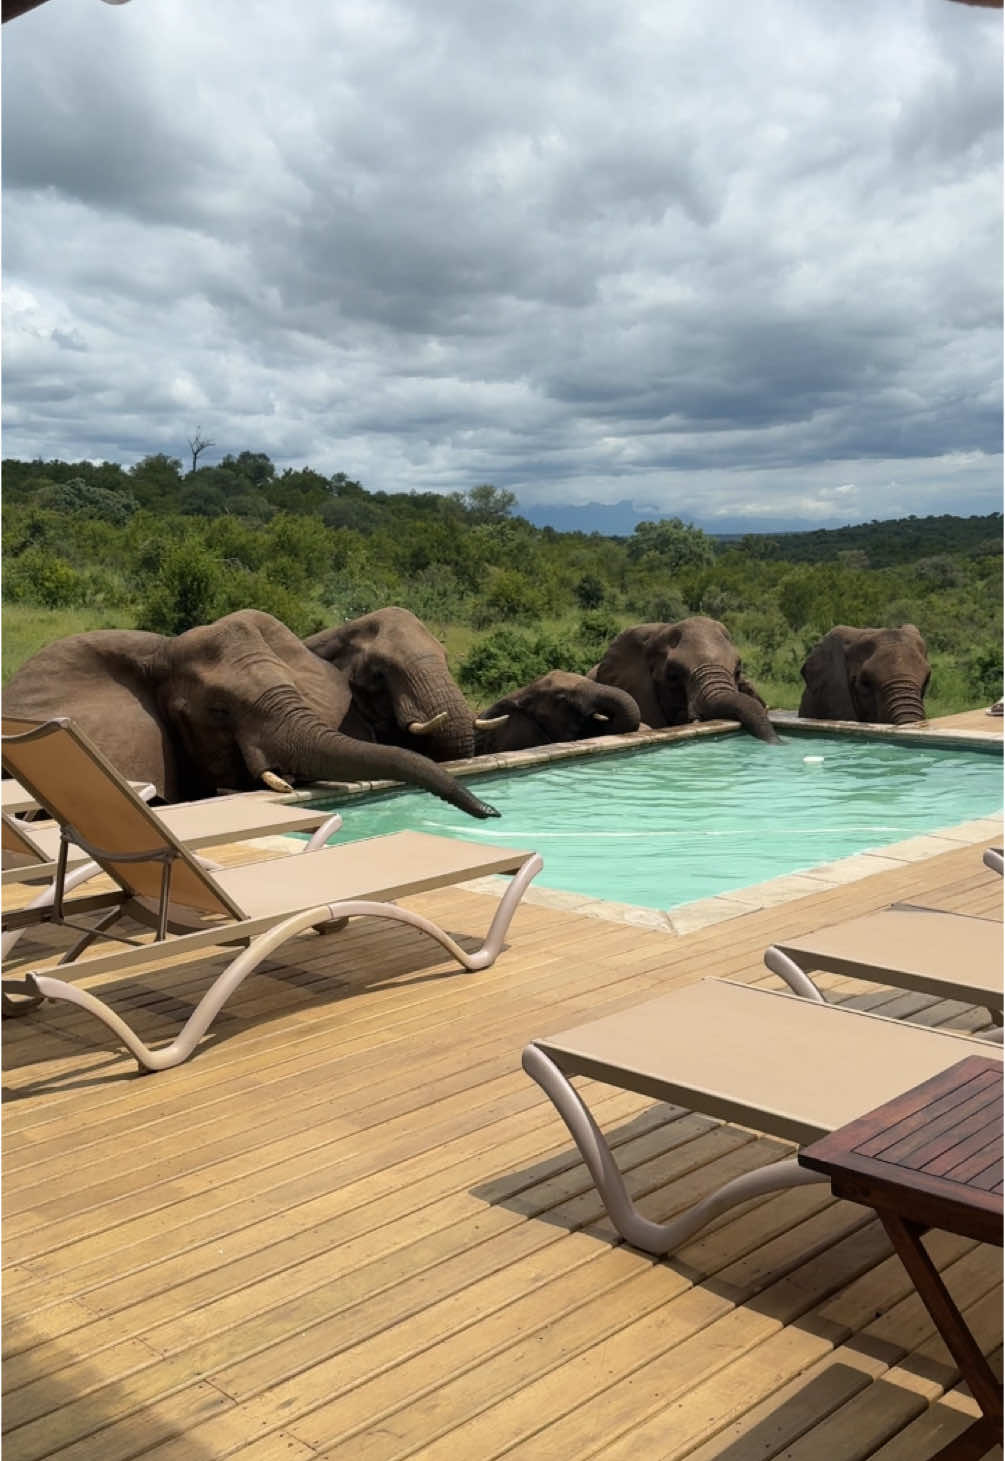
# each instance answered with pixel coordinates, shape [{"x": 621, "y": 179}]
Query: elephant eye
[{"x": 218, "y": 714}]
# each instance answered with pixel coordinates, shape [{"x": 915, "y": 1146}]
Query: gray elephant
[
  {"x": 223, "y": 705},
  {"x": 877, "y": 675},
  {"x": 684, "y": 672},
  {"x": 403, "y": 693},
  {"x": 557, "y": 707}
]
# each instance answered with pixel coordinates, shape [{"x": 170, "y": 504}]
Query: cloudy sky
[{"x": 729, "y": 261}]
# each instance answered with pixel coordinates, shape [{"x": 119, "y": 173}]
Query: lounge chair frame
[
  {"x": 204, "y": 894},
  {"x": 705, "y": 1012},
  {"x": 961, "y": 958}
]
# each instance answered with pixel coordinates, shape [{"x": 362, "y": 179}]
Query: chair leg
[
  {"x": 45, "y": 899},
  {"x": 797, "y": 979},
  {"x": 13, "y": 1009},
  {"x": 641, "y": 1232},
  {"x": 326, "y": 830}
]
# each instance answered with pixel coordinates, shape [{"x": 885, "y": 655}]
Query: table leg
[
  {"x": 974, "y": 1368},
  {"x": 971, "y": 1444}
]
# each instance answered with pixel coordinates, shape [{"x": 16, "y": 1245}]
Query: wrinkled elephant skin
[
  {"x": 221, "y": 706},
  {"x": 403, "y": 693},
  {"x": 875, "y": 675},
  {"x": 683, "y": 672},
  {"x": 557, "y": 707}
]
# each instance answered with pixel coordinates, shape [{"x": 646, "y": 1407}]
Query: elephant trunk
[
  {"x": 714, "y": 696},
  {"x": 432, "y": 710},
  {"x": 902, "y": 702},
  {"x": 287, "y": 737},
  {"x": 616, "y": 714}
]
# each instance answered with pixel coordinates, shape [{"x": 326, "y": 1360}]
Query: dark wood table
[{"x": 932, "y": 1158}]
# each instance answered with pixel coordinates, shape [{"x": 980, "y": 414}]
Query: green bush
[
  {"x": 39, "y": 576},
  {"x": 185, "y": 592},
  {"x": 509, "y": 658},
  {"x": 240, "y": 589},
  {"x": 595, "y": 632},
  {"x": 78, "y": 496},
  {"x": 510, "y": 596}
]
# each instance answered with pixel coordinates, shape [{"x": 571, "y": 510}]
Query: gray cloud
[{"x": 716, "y": 259}]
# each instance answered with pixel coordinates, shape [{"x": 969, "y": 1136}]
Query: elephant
[
  {"x": 227, "y": 704},
  {"x": 557, "y": 707},
  {"x": 877, "y": 675},
  {"x": 403, "y": 693},
  {"x": 684, "y": 672}
]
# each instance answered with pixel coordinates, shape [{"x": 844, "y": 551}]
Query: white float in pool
[{"x": 813, "y": 760}]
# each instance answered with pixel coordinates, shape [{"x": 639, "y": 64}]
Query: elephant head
[
  {"x": 223, "y": 705},
  {"x": 403, "y": 693},
  {"x": 877, "y": 675},
  {"x": 683, "y": 672},
  {"x": 557, "y": 707}
]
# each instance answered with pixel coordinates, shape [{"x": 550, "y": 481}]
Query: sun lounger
[
  {"x": 786, "y": 1066},
  {"x": 31, "y": 849},
  {"x": 950, "y": 955},
  {"x": 993, "y": 859},
  {"x": 261, "y": 904},
  {"x": 14, "y": 798}
]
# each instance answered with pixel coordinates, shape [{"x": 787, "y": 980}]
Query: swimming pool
[{"x": 667, "y": 824}]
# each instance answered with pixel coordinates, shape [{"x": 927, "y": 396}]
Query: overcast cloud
[{"x": 737, "y": 260}]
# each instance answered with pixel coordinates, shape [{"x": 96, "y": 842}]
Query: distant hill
[
  {"x": 885, "y": 543},
  {"x": 618, "y": 519}
]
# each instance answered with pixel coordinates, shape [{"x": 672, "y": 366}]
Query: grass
[{"x": 27, "y": 630}]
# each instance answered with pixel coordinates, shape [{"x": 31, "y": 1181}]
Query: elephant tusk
[
  {"x": 599, "y": 715},
  {"x": 491, "y": 724},
  {"x": 274, "y": 782},
  {"x": 423, "y": 727}
]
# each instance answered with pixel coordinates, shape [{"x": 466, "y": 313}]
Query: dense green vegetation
[{"x": 154, "y": 547}]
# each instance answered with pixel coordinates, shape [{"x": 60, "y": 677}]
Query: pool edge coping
[{"x": 683, "y": 918}]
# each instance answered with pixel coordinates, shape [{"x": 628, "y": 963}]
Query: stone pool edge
[
  {"x": 702, "y": 913},
  {"x": 688, "y": 917}
]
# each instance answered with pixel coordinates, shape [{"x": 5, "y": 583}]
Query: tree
[
  {"x": 197, "y": 445},
  {"x": 675, "y": 544},
  {"x": 488, "y": 504}
]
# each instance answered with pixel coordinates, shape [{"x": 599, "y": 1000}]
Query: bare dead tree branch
[{"x": 197, "y": 445}]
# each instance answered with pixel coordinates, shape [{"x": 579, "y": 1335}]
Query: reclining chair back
[{"x": 70, "y": 778}]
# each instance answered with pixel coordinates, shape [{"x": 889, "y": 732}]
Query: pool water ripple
[{"x": 668, "y": 824}]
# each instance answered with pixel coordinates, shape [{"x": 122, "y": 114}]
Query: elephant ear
[{"x": 827, "y": 695}]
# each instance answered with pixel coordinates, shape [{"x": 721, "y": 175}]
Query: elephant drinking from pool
[
  {"x": 403, "y": 693},
  {"x": 684, "y": 672},
  {"x": 877, "y": 675},
  {"x": 559, "y": 706},
  {"x": 224, "y": 705}
]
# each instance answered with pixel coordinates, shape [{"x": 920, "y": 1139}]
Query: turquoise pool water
[{"x": 667, "y": 824}]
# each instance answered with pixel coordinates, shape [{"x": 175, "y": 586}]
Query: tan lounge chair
[
  {"x": 950, "y": 955},
  {"x": 31, "y": 849},
  {"x": 261, "y": 904},
  {"x": 14, "y": 798},
  {"x": 766, "y": 1059}
]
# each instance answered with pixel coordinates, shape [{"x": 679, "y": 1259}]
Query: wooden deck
[{"x": 351, "y": 1227}]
